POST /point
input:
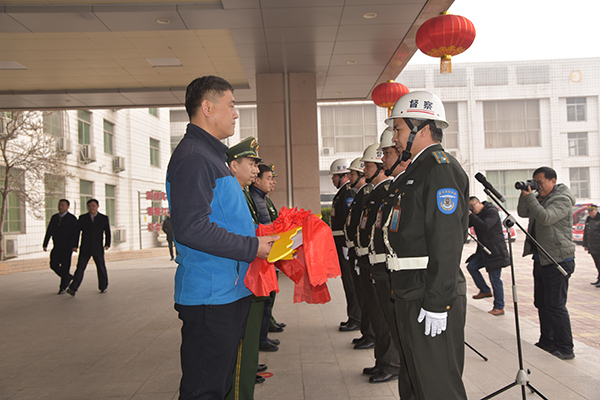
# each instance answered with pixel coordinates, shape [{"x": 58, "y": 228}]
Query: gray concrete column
[{"x": 288, "y": 136}]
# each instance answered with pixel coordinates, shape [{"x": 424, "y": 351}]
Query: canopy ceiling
[{"x": 143, "y": 53}]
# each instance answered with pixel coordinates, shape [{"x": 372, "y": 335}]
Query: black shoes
[
  {"x": 275, "y": 328},
  {"x": 61, "y": 291},
  {"x": 381, "y": 377},
  {"x": 371, "y": 371},
  {"x": 103, "y": 291},
  {"x": 71, "y": 291},
  {"x": 268, "y": 347},
  {"x": 349, "y": 327},
  {"x": 280, "y": 324},
  {"x": 261, "y": 368},
  {"x": 260, "y": 379},
  {"x": 595, "y": 283},
  {"x": 276, "y": 342},
  {"x": 545, "y": 347},
  {"x": 358, "y": 340},
  {"x": 344, "y": 323},
  {"x": 563, "y": 356},
  {"x": 365, "y": 344}
]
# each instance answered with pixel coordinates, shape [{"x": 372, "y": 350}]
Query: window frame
[
  {"x": 82, "y": 124},
  {"x": 155, "y": 153}
]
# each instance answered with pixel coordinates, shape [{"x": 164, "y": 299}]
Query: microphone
[{"x": 481, "y": 178}]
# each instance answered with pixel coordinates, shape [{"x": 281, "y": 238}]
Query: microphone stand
[{"x": 521, "y": 378}]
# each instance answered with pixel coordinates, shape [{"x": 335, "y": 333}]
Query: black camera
[{"x": 529, "y": 183}]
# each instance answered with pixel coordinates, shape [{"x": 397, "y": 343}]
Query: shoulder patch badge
[
  {"x": 349, "y": 201},
  {"x": 447, "y": 200},
  {"x": 441, "y": 157}
]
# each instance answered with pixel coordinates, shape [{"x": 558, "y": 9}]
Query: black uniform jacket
[
  {"x": 341, "y": 206},
  {"x": 591, "y": 234},
  {"x": 488, "y": 228},
  {"x": 63, "y": 232},
  {"x": 92, "y": 241},
  {"x": 429, "y": 223},
  {"x": 368, "y": 218},
  {"x": 353, "y": 218}
]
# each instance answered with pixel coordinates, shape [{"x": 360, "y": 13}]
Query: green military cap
[
  {"x": 272, "y": 167},
  {"x": 246, "y": 148}
]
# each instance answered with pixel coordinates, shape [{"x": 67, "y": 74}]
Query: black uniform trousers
[
  {"x": 82, "y": 262},
  {"x": 550, "y": 298},
  {"x": 352, "y": 306},
  {"x": 366, "y": 327},
  {"x": 209, "y": 343},
  {"x": 60, "y": 263},
  {"x": 386, "y": 354},
  {"x": 434, "y": 365}
]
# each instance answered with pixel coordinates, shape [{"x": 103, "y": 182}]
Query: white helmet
[
  {"x": 339, "y": 166},
  {"x": 373, "y": 154},
  {"x": 419, "y": 105},
  {"x": 386, "y": 138},
  {"x": 357, "y": 165}
]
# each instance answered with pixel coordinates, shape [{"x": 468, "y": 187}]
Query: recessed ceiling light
[
  {"x": 339, "y": 93},
  {"x": 370, "y": 15},
  {"x": 7, "y": 65},
  {"x": 351, "y": 62},
  {"x": 164, "y": 62},
  {"x": 163, "y": 21}
]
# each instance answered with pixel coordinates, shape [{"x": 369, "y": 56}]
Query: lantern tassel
[{"x": 446, "y": 65}]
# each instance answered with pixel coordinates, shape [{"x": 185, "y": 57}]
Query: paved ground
[{"x": 125, "y": 344}]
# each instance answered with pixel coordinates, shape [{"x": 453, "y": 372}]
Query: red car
[{"x": 579, "y": 215}]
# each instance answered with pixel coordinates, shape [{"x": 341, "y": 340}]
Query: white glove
[
  {"x": 434, "y": 322},
  {"x": 356, "y": 267}
]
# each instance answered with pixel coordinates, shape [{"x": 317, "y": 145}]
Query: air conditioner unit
[
  {"x": 63, "y": 145},
  {"x": 87, "y": 154},
  {"x": 120, "y": 235},
  {"x": 119, "y": 164},
  {"x": 10, "y": 247},
  {"x": 328, "y": 151}
]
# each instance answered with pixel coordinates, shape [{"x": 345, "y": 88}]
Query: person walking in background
[
  {"x": 551, "y": 225},
  {"x": 63, "y": 231},
  {"x": 94, "y": 228},
  {"x": 483, "y": 216},
  {"x": 591, "y": 238},
  {"x": 167, "y": 228}
]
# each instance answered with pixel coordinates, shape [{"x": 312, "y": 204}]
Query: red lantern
[
  {"x": 444, "y": 36},
  {"x": 388, "y": 93}
]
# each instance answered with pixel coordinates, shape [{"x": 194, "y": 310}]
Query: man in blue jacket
[{"x": 215, "y": 239}]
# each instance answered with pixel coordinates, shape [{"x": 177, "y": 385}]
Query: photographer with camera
[
  {"x": 483, "y": 216},
  {"x": 550, "y": 223}
]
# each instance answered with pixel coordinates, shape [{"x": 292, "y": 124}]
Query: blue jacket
[{"x": 212, "y": 226}]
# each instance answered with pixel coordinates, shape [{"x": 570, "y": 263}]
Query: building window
[
  {"x": 578, "y": 144},
  {"x": 513, "y": 123},
  {"x": 14, "y": 220},
  {"x": 450, "y": 137},
  {"x": 153, "y": 111},
  {"x": 580, "y": 182},
  {"x": 86, "y": 192},
  {"x": 348, "y": 128},
  {"x": 54, "y": 189},
  {"x": 504, "y": 181},
  {"x": 576, "y": 109},
  {"x": 110, "y": 197},
  {"x": 84, "y": 123},
  {"x": 248, "y": 122},
  {"x": 109, "y": 130},
  {"x": 154, "y": 152},
  {"x": 53, "y": 123}
]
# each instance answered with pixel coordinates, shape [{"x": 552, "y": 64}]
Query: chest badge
[{"x": 447, "y": 200}]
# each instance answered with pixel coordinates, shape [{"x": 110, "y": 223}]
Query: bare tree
[{"x": 27, "y": 156}]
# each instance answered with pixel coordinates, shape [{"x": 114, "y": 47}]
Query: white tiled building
[
  {"x": 509, "y": 118},
  {"x": 116, "y": 157}
]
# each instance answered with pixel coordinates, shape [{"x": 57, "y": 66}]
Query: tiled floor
[{"x": 125, "y": 344}]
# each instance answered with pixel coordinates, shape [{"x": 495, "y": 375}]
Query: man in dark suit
[
  {"x": 93, "y": 226},
  {"x": 63, "y": 231}
]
